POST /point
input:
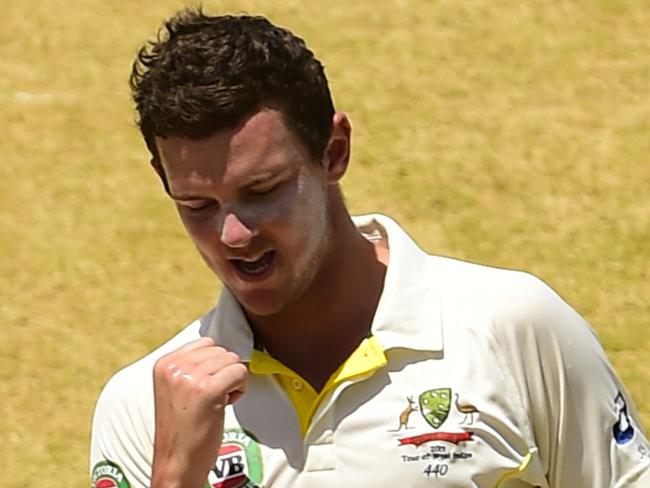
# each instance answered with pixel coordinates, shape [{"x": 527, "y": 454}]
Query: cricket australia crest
[{"x": 435, "y": 406}]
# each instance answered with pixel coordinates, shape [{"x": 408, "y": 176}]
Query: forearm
[{"x": 172, "y": 475}]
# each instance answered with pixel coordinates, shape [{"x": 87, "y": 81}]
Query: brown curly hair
[{"x": 208, "y": 73}]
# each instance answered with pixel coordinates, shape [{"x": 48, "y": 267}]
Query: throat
[
  {"x": 320, "y": 361},
  {"x": 316, "y": 334}
]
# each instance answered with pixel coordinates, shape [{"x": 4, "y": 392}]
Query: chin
[{"x": 269, "y": 296}]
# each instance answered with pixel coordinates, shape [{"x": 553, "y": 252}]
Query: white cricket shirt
[{"x": 491, "y": 380}]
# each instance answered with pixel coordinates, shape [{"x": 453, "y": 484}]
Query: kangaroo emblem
[{"x": 406, "y": 413}]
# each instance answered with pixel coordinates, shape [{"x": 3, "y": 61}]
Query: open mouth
[{"x": 254, "y": 267}]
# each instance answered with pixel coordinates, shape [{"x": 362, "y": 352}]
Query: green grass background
[{"x": 511, "y": 133}]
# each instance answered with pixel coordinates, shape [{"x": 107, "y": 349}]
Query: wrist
[{"x": 170, "y": 475}]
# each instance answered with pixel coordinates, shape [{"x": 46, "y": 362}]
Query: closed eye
[
  {"x": 259, "y": 191},
  {"x": 196, "y": 206}
]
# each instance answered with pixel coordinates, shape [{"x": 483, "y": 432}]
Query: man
[{"x": 339, "y": 352}]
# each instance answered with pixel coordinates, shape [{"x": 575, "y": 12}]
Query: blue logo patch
[{"x": 623, "y": 430}]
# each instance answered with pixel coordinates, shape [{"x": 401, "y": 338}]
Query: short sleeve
[
  {"x": 584, "y": 423},
  {"x": 122, "y": 435}
]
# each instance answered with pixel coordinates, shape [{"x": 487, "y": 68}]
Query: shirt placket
[{"x": 318, "y": 443}]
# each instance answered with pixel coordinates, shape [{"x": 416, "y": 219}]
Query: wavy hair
[{"x": 207, "y": 73}]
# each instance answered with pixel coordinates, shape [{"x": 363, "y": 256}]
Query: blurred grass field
[{"x": 516, "y": 134}]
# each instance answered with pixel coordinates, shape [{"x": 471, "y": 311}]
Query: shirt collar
[
  {"x": 408, "y": 314},
  {"x": 228, "y": 326}
]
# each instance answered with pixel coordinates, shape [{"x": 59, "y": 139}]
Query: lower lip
[{"x": 258, "y": 275}]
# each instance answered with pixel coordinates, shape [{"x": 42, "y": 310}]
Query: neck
[{"x": 319, "y": 331}]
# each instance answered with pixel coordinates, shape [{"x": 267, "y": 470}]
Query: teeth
[
  {"x": 252, "y": 260},
  {"x": 256, "y": 265}
]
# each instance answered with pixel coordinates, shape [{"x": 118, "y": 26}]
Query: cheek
[
  {"x": 203, "y": 234},
  {"x": 308, "y": 226},
  {"x": 299, "y": 206}
]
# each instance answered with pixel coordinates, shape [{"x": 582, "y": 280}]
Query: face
[{"x": 256, "y": 206}]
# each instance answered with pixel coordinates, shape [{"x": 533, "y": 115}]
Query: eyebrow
[
  {"x": 186, "y": 196},
  {"x": 251, "y": 181}
]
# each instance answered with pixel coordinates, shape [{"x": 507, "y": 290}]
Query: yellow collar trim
[{"x": 367, "y": 357}]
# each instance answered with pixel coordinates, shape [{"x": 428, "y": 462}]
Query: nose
[{"x": 234, "y": 232}]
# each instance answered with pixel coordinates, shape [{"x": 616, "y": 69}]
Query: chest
[{"x": 423, "y": 420}]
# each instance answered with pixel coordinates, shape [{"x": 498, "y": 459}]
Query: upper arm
[
  {"x": 576, "y": 403},
  {"x": 122, "y": 435}
]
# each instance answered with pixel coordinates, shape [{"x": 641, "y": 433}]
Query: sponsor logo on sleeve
[
  {"x": 622, "y": 430},
  {"x": 107, "y": 474},
  {"x": 239, "y": 464},
  {"x": 644, "y": 452}
]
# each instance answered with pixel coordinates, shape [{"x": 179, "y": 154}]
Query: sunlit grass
[{"x": 510, "y": 133}]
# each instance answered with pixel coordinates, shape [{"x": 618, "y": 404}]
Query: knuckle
[
  {"x": 163, "y": 364},
  {"x": 242, "y": 370},
  {"x": 231, "y": 357},
  {"x": 202, "y": 385}
]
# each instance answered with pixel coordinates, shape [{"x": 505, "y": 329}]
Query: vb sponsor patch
[{"x": 239, "y": 464}]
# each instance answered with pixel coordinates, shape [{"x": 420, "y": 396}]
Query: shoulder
[
  {"x": 530, "y": 329},
  {"x": 128, "y": 394},
  {"x": 124, "y": 418},
  {"x": 134, "y": 378},
  {"x": 514, "y": 308},
  {"x": 489, "y": 289}
]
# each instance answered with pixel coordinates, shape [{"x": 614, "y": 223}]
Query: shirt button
[{"x": 296, "y": 383}]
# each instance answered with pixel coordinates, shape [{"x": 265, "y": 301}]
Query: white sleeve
[
  {"x": 584, "y": 422},
  {"x": 122, "y": 434}
]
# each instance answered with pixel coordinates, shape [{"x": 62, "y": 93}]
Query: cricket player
[{"x": 339, "y": 353}]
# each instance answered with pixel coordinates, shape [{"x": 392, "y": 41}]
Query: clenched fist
[{"x": 192, "y": 386}]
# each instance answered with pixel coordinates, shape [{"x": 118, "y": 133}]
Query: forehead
[{"x": 260, "y": 144}]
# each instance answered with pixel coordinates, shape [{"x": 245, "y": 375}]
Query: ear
[{"x": 337, "y": 152}]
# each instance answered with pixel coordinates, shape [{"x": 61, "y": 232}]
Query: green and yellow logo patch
[{"x": 435, "y": 406}]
